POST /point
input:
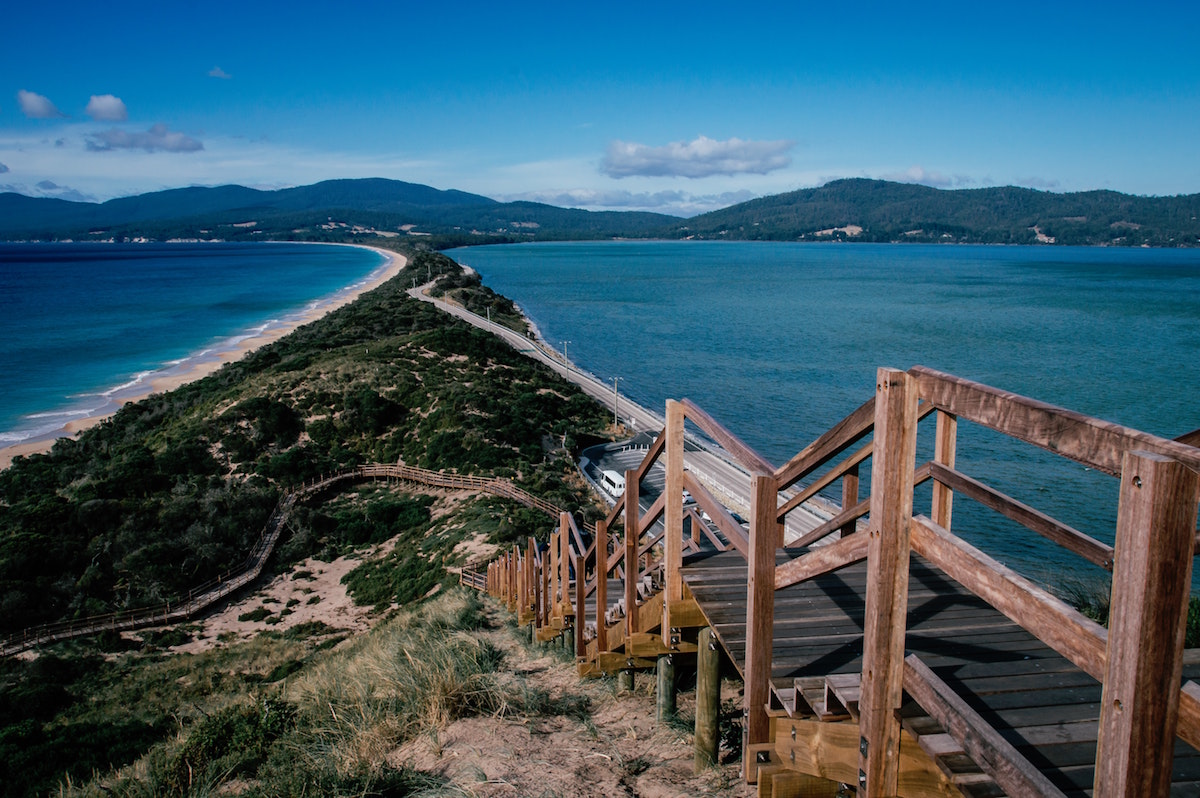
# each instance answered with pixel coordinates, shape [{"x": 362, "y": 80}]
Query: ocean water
[
  {"x": 779, "y": 341},
  {"x": 82, "y": 325}
]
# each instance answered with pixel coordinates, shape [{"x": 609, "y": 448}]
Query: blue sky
[{"x": 680, "y": 108}]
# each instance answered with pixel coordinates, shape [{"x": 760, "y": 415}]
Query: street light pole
[
  {"x": 615, "y": 395},
  {"x": 565, "y": 358}
]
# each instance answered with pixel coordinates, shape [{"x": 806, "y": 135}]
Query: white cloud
[
  {"x": 107, "y": 108},
  {"x": 933, "y": 179},
  {"x": 217, "y": 72},
  {"x": 702, "y": 157},
  {"x": 157, "y": 139},
  {"x": 676, "y": 203},
  {"x": 1038, "y": 182},
  {"x": 35, "y": 106},
  {"x": 222, "y": 161}
]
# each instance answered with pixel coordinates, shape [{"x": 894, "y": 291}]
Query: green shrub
[
  {"x": 255, "y": 615},
  {"x": 232, "y": 742}
]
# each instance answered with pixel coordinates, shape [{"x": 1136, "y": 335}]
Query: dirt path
[{"x": 614, "y": 748}]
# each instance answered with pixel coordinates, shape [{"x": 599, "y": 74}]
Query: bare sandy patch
[
  {"x": 311, "y": 579},
  {"x": 850, "y": 230},
  {"x": 616, "y": 748}
]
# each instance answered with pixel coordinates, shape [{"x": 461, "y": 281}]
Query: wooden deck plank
[
  {"x": 1037, "y": 700},
  {"x": 1040, "y": 702}
]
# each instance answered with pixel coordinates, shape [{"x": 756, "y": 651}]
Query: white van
[{"x": 612, "y": 482}]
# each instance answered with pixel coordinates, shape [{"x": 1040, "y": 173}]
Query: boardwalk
[
  {"x": 206, "y": 596},
  {"x": 880, "y": 650}
]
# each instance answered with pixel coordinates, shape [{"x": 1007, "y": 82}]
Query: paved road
[{"x": 711, "y": 465}]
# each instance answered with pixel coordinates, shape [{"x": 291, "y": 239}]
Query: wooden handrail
[
  {"x": 996, "y": 755},
  {"x": 1090, "y": 441},
  {"x": 1045, "y": 616},
  {"x": 741, "y": 451},
  {"x": 846, "y": 432},
  {"x": 1190, "y": 438},
  {"x": 720, "y": 516},
  {"x": 811, "y": 490},
  {"x": 822, "y": 560},
  {"x": 653, "y": 513},
  {"x": 834, "y": 524},
  {"x": 1087, "y": 547},
  {"x": 652, "y": 454}
]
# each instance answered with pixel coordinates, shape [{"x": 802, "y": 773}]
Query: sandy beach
[{"x": 193, "y": 368}]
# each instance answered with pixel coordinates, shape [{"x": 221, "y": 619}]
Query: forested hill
[
  {"x": 334, "y": 210},
  {"x": 877, "y": 210},
  {"x": 849, "y": 210}
]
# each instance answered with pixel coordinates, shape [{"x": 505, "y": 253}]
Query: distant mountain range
[{"x": 844, "y": 210}]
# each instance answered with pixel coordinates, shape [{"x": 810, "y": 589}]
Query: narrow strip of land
[{"x": 710, "y": 465}]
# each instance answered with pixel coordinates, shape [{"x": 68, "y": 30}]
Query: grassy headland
[{"x": 174, "y": 489}]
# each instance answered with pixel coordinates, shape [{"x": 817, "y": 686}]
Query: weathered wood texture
[
  {"x": 1012, "y": 771},
  {"x": 673, "y": 496},
  {"x": 1151, "y": 580},
  {"x": 760, "y": 604},
  {"x": 632, "y": 525},
  {"x": 1014, "y": 690},
  {"x": 945, "y": 449},
  {"x": 708, "y": 701},
  {"x": 1095, "y": 443},
  {"x": 887, "y": 581}
]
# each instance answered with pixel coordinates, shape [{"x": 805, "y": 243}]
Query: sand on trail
[
  {"x": 314, "y": 588},
  {"x": 311, "y": 578}
]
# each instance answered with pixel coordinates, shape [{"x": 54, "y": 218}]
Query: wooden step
[
  {"x": 811, "y": 690},
  {"x": 842, "y": 691},
  {"x": 948, "y": 754}
]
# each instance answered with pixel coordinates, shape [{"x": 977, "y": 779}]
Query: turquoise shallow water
[
  {"x": 779, "y": 341},
  {"x": 82, "y": 323}
]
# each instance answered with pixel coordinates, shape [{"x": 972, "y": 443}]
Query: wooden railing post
[
  {"x": 633, "y": 523},
  {"x": 546, "y": 609},
  {"x": 601, "y": 585},
  {"x": 530, "y": 575},
  {"x": 514, "y": 578},
  {"x": 522, "y": 577},
  {"x": 1152, "y": 574},
  {"x": 502, "y": 578},
  {"x": 555, "y": 572},
  {"x": 892, "y": 466},
  {"x": 706, "y": 741},
  {"x": 673, "y": 517},
  {"x": 944, "y": 447},
  {"x": 760, "y": 605},
  {"x": 580, "y": 589},
  {"x": 564, "y": 560},
  {"x": 508, "y": 577},
  {"x": 849, "y": 498}
]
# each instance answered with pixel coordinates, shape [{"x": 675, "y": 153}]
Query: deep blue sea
[
  {"x": 778, "y": 341},
  {"x": 81, "y": 324}
]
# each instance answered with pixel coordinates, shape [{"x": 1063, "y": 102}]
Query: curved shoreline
[{"x": 201, "y": 364}]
